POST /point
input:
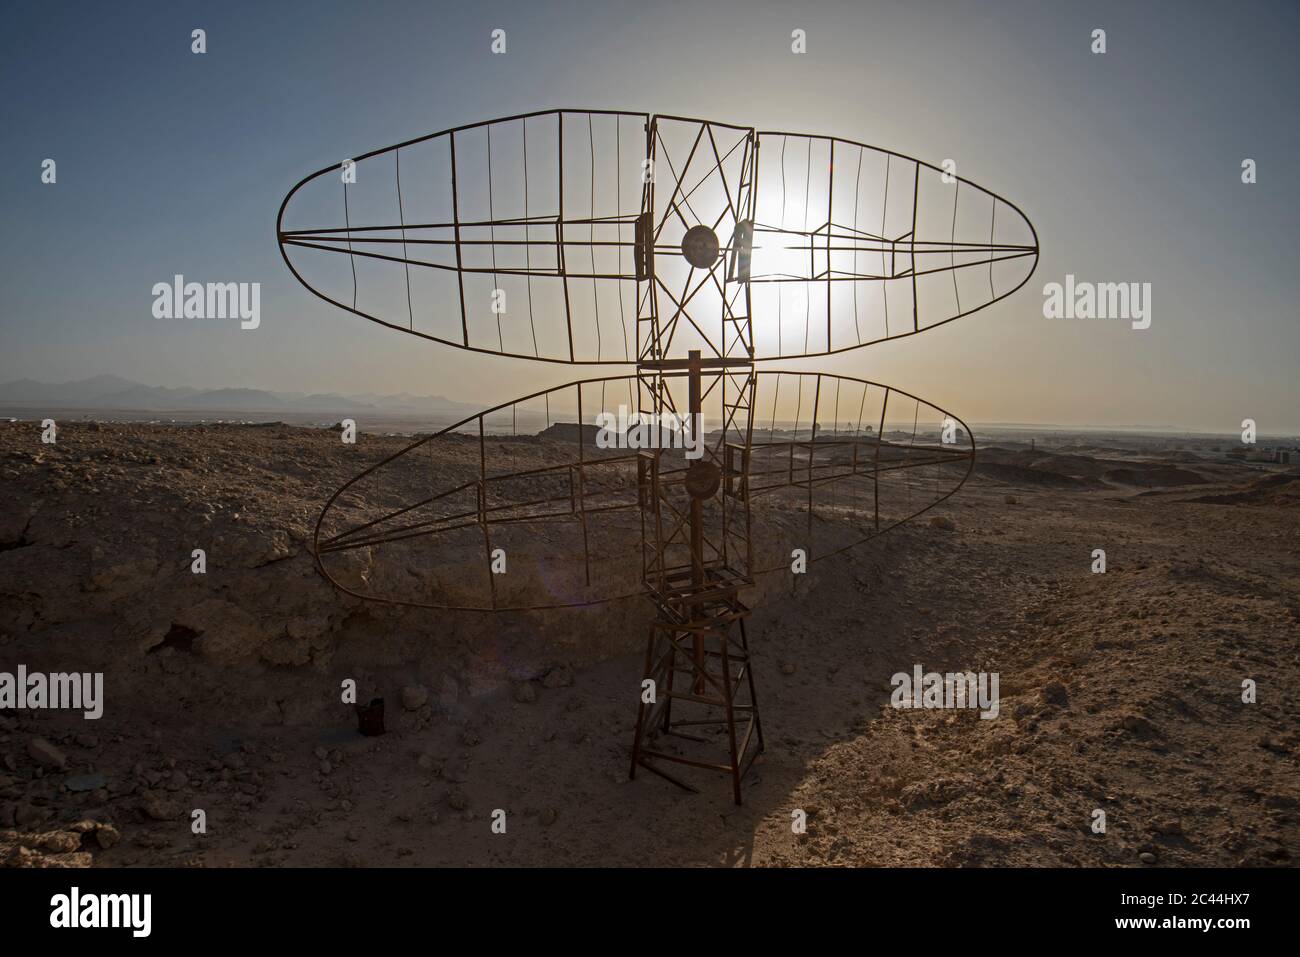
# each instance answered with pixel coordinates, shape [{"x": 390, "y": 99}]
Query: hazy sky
[{"x": 1128, "y": 164}]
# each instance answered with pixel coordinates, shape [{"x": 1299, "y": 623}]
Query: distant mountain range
[{"x": 110, "y": 392}]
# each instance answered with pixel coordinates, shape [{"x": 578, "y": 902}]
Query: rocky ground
[{"x": 1121, "y": 692}]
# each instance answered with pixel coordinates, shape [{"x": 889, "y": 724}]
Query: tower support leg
[{"x": 713, "y": 722}]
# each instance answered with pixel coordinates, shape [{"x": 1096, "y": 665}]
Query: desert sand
[{"x": 1120, "y": 692}]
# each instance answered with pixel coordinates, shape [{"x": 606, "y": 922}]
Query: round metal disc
[
  {"x": 700, "y": 247},
  {"x": 703, "y": 479}
]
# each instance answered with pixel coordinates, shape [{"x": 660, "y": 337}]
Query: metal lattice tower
[{"x": 695, "y": 253}]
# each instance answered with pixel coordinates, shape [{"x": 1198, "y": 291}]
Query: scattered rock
[
  {"x": 84, "y": 782},
  {"x": 428, "y": 763},
  {"x": 106, "y": 835},
  {"x": 943, "y": 522},
  {"x": 157, "y": 808},
  {"x": 1136, "y": 724},
  {"x": 46, "y": 754},
  {"x": 414, "y": 697}
]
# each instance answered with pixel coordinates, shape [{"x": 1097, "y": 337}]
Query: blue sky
[{"x": 1128, "y": 164}]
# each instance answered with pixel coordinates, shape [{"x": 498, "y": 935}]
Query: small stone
[
  {"x": 1270, "y": 743},
  {"x": 46, "y": 754},
  {"x": 943, "y": 522},
  {"x": 84, "y": 782},
  {"x": 60, "y": 842},
  {"x": 788, "y": 668},
  {"x": 426, "y": 762},
  {"x": 525, "y": 693},
  {"x": 157, "y": 809},
  {"x": 548, "y": 816},
  {"x": 326, "y": 768},
  {"x": 107, "y": 835},
  {"x": 1146, "y": 857},
  {"x": 1011, "y": 500},
  {"x": 321, "y": 754},
  {"x": 414, "y": 697},
  {"x": 469, "y": 738},
  {"x": 1138, "y": 725},
  {"x": 458, "y": 801},
  {"x": 353, "y": 834}
]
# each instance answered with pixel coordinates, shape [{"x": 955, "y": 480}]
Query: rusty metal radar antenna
[{"x": 693, "y": 253}]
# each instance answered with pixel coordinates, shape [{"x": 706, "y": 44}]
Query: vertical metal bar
[
  {"x": 482, "y": 509},
  {"x": 880, "y": 437},
  {"x": 455, "y": 217},
  {"x": 830, "y": 215},
  {"x": 812, "y": 449},
  {"x": 697, "y": 519},
  {"x": 753, "y": 695},
  {"x": 582, "y": 508},
  {"x": 559, "y": 249},
  {"x": 730, "y": 709},
  {"x": 642, "y": 708},
  {"x": 916, "y": 193}
]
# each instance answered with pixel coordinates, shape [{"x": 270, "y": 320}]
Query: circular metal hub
[
  {"x": 703, "y": 479},
  {"x": 700, "y": 247}
]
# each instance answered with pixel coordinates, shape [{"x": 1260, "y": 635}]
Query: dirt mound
[
  {"x": 1282, "y": 490},
  {"x": 1160, "y": 476},
  {"x": 568, "y": 432},
  {"x": 1046, "y": 469},
  {"x": 1023, "y": 475}
]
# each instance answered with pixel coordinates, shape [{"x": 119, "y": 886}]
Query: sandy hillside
[{"x": 1120, "y": 692}]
